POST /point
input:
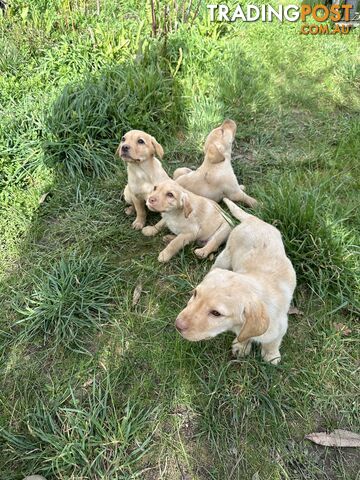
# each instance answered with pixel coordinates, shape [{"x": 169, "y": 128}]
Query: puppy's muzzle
[
  {"x": 125, "y": 154},
  {"x": 151, "y": 202},
  {"x": 181, "y": 325}
]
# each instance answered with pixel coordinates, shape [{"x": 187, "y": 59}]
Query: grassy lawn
[{"x": 95, "y": 382}]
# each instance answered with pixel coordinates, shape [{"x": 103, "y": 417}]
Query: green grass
[
  {"x": 87, "y": 120},
  {"x": 96, "y": 438},
  {"x": 97, "y": 386},
  {"x": 69, "y": 302},
  {"x": 321, "y": 246}
]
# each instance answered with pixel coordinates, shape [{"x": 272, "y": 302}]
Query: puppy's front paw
[
  {"x": 271, "y": 357},
  {"x": 149, "y": 231},
  {"x": 138, "y": 223},
  {"x": 201, "y": 252},
  {"x": 240, "y": 349},
  {"x": 164, "y": 256}
]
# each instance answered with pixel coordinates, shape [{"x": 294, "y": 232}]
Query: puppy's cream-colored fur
[
  {"x": 248, "y": 290},
  {"x": 215, "y": 178},
  {"x": 189, "y": 216},
  {"x": 144, "y": 170}
]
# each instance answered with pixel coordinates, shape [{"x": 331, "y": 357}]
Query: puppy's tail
[{"x": 236, "y": 211}]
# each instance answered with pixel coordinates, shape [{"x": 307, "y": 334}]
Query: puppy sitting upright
[
  {"x": 189, "y": 216},
  {"x": 253, "y": 299},
  {"x": 138, "y": 149},
  {"x": 215, "y": 178}
]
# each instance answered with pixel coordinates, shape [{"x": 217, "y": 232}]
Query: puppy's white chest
[
  {"x": 140, "y": 184},
  {"x": 176, "y": 224}
]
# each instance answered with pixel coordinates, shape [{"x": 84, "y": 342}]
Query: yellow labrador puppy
[
  {"x": 144, "y": 170},
  {"x": 248, "y": 291},
  {"x": 215, "y": 178},
  {"x": 190, "y": 217}
]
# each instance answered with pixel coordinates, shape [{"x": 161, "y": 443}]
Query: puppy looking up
[
  {"x": 144, "y": 170},
  {"x": 189, "y": 216},
  {"x": 215, "y": 178},
  {"x": 248, "y": 291}
]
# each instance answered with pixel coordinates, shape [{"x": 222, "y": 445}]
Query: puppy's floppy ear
[
  {"x": 185, "y": 203},
  {"x": 157, "y": 148},
  {"x": 256, "y": 321},
  {"x": 213, "y": 154}
]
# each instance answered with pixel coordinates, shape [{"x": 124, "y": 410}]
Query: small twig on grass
[
  {"x": 188, "y": 10},
  {"x": 196, "y": 13},
  {"x": 165, "y": 22},
  {"x": 153, "y": 18}
]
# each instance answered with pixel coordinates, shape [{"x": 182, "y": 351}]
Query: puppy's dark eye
[
  {"x": 170, "y": 195},
  {"x": 141, "y": 141},
  {"x": 155, "y": 188},
  {"x": 123, "y": 139},
  {"x": 215, "y": 313}
]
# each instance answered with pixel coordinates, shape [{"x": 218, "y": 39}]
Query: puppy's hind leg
[
  {"x": 129, "y": 210},
  {"x": 219, "y": 237},
  {"x": 181, "y": 171},
  {"x": 241, "y": 196},
  {"x": 223, "y": 260},
  {"x": 127, "y": 196}
]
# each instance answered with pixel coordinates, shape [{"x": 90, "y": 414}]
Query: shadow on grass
[{"x": 72, "y": 273}]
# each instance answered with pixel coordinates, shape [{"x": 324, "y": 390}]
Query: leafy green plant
[
  {"x": 69, "y": 302},
  {"x": 88, "y": 119},
  {"x": 91, "y": 437},
  {"x": 166, "y": 17},
  {"x": 322, "y": 250}
]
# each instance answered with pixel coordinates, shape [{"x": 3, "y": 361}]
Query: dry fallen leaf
[
  {"x": 338, "y": 438},
  {"x": 43, "y": 198},
  {"x": 340, "y": 327},
  {"x": 136, "y": 294},
  {"x": 295, "y": 311}
]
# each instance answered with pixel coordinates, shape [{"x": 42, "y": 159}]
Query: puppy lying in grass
[
  {"x": 190, "y": 217},
  {"x": 215, "y": 178},
  {"x": 144, "y": 170},
  {"x": 248, "y": 291}
]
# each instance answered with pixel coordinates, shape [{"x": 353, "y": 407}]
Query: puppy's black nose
[{"x": 125, "y": 148}]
